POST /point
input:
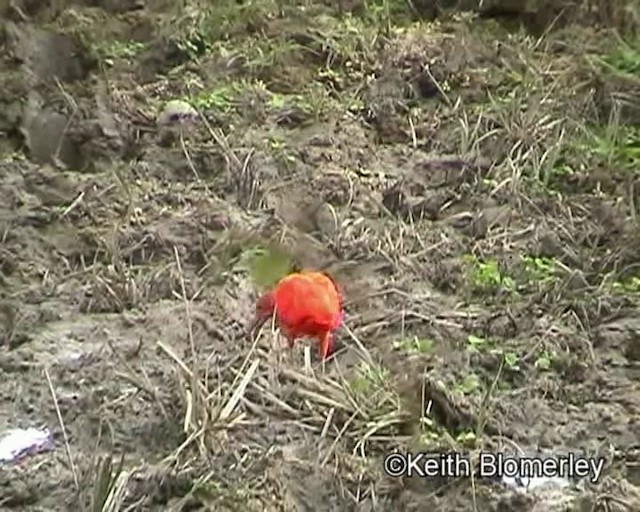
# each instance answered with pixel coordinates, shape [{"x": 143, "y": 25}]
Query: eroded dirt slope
[{"x": 473, "y": 188}]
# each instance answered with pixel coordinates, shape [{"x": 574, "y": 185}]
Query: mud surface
[{"x": 473, "y": 188}]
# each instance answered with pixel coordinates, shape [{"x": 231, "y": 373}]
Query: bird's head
[{"x": 265, "y": 306}]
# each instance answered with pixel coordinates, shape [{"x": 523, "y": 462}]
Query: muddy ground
[{"x": 469, "y": 178}]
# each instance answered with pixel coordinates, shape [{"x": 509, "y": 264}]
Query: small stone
[{"x": 177, "y": 112}]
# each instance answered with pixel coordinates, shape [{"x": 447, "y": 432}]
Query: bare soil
[{"x": 438, "y": 168}]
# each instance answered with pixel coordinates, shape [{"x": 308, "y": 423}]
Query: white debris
[
  {"x": 536, "y": 482},
  {"x": 177, "y": 112},
  {"x": 16, "y": 443}
]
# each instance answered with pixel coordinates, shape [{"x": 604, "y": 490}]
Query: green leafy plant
[
  {"x": 266, "y": 266},
  {"x": 414, "y": 345},
  {"x": 468, "y": 385},
  {"x": 486, "y": 275},
  {"x": 544, "y": 360}
]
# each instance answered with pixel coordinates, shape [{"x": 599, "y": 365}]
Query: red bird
[{"x": 306, "y": 304}]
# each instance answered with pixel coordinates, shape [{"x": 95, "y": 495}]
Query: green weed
[
  {"x": 478, "y": 344},
  {"x": 387, "y": 13},
  {"x": 194, "y": 45},
  {"x": 261, "y": 55},
  {"x": 467, "y": 438},
  {"x": 224, "y": 19},
  {"x": 615, "y": 146},
  {"x": 265, "y": 265},
  {"x": 475, "y": 343},
  {"x": 414, "y": 345},
  {"x": 631, "y": 285},
  {"x": 369, "y": 378},
  {"x": 280, "y": 150},
  {"x": 544, "y": 360},
  {"x": 114, "y": 50},
  {"x": 469, "y": 385},
  {"x": 539, "y": 269},
  {"x": 624, "y": 60},
  {"x": 221, "y": 98},
  {"x": 349, "y": 46},
  {"x": 371, "y": 386},
  {"x": 486, "y": 275},
  {"x": 510, "y": 359}
]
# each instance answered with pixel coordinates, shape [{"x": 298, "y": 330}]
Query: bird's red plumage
[{"x": 308, "y": 304}]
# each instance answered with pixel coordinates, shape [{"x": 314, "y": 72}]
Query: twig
[
  {"x": 414, "y": 138},
  {"x": 438, "y": 86},
  {"x": 357, "y": 341},
  {"x": 239, "y": 391},
  {"x": 192, "y": 166},
  {"x": 195, "y": 370},
  {"x": 74, "y": 471},
  {"x": 185, "y": 369},
  {"x": 75, "y": 203}
]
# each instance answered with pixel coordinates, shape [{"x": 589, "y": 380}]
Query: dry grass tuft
[{"x": 480, "y": 141}]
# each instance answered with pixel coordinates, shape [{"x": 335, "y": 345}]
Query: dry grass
[
  {"x": 465, "y": 310},
  {"x": 530, "y": 123}
]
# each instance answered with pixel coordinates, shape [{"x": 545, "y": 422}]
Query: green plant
[
  {"x": 113, "y": 50},
  {"x": 414, "y": 345},
  {"x": 467, "y": 438},
  {"x": 614, "y": 145},
  {"x": 486, "y": 275},
  {"x": 468, "y": 385},
  {"x": 539, "y": 269},
  {"x": 624, "y": 59},
  {"x": 280, "y": 150},
  {"x": 475, "y": 343},
  {"x": 266, "y": 266},
  {"x": 544, "y": 360},
  {"x": 220, "y": 98},
  {"x": 368, "y": 378},
  {"x": 511, "y": 361},
  {"x": 371, "y": 387},
  {"x": 631, "y": 285}
]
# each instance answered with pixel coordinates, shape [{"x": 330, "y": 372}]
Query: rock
[
  {"x": 46, "y": 136},
  {"x": 49, "y": 55},
  {"x": 177, "y": 113},
  {"x": 176, "y": 117}
]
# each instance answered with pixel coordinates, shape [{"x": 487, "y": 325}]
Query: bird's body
[{"x": 306, "y": 304}]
